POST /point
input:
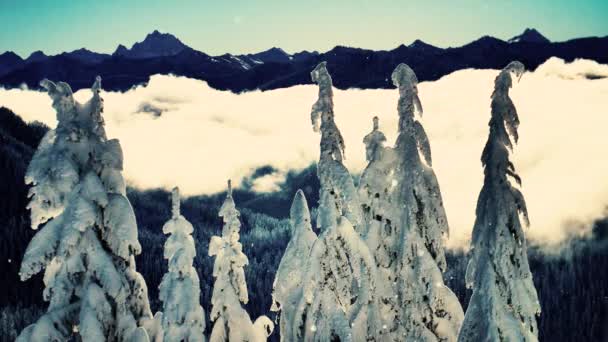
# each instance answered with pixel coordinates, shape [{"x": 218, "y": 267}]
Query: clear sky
[{"x": 239, "y": 26}]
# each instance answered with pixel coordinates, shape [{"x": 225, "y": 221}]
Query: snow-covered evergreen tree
[
  {"x": 338, "y": 297},
  {"x": 287, "y": 287},
  {"x": 232, "y": 322},
  {"x": 89, "y": 241},
  {"x": 183, "y": 316},
  {"x": 374, "y": 142},
  {"x": 405, "y": 226},
  {"x": 504, "y": 304}
]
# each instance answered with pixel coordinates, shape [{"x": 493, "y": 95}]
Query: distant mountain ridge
[
  {"x": 155, "y": 44},
  {"x": 163, "y": 53}
]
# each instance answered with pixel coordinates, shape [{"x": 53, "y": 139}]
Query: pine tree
[
  {"x": 183, "y": 316},
  {"x": 88, "y": 244},
  {"x": 287, "y": 287},
  {"x": 232, "y": 323},
  {"x": 504, "y": 304},
  {"x": 405, "y": 227},
  {"x": 338, "y": 298}
]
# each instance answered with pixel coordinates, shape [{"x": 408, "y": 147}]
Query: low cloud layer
[{"x": 179, "y": 131}]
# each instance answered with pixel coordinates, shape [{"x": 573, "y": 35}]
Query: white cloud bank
[{"x": 204, "y": 136}]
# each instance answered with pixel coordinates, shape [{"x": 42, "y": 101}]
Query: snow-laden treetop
[
  {"x": 299, "y": 214},
  {"x": 175, "y": 202},
  {"x": 70, "y": 111},
  {"x": 338, "y": 196},
  {"x": 183, "y": 318},
  {"x": 505, "y": 121},
  {"x": 230, "y": 214},
  {"x": 374, "y": 141},
  {"x": 409, "y": 104},
  {"x": 332, "y": 143},
  {"x": 504, "y": 303},
  {"x": 179, "y": 248},
  {"x": 89, "y": 242},
  {"x": 288, "y": 279},
  {"x": 405, "y": 79}
]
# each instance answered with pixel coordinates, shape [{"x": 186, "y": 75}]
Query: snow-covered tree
[
  {"x": 183, "y": 316},
  {"x": 504, "y": 304},
  {"x": 374, "y": 142},
  {"x": 88, "y": 244},
  {"x": 338, "y": 296},
  {"x": 232, "y": 322},
  {"x": 405, "y": 226},
  {"x": 287, "y": 287}
]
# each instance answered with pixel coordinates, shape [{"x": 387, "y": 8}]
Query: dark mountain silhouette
[
  {"x": 155, "y": 44},
  {"x": 9, "y": 61},
  {"x": 121, "y": 50},
  {"x": 419, "y": 45},
  {"x": 87, "y": 56},
  {"x": 529, "y": 36},
  {"x": 274, "y": 54},
  {"x": 162, "y": 53},
  {"x": 36, "y": 56}
]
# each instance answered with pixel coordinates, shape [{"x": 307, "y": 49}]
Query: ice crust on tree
[
  {"x": 338, "y": 299},
  {"x": 231, "y": 321},
  {"x": 89, "y": 241},
  {"x": 504, "y": 304},
  {"x": 183, "y": 317},
  {"x": 405, "y": 226},
  {"x": 330, "y": 168},
  {"x": 287, "y": 287}
]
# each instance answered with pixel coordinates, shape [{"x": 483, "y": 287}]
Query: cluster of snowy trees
[
  {"x": 88, "y": 244},
  {"x": 374, "y": 272}
]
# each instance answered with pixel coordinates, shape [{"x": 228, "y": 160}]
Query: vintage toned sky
[{"x": 239, "y": 26}]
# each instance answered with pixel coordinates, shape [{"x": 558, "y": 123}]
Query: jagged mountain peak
[
  {"x": 10, "y": 54},
  {"x": 120, "y": 50},
  {"x": 8, "y": 61},
  {"x": 275, "y": 49},
  {"x": 156, "y": 44},
  {"x": 530, "y": 35},
  {"x": 421, "y": 45},
  {"x": 158, "y": 35},
  {"x": 36, "y": 56},
  {"x": 273, "y": 54}
]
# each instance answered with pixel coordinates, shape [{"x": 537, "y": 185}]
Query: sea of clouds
[{"x": 179, "y": 131}]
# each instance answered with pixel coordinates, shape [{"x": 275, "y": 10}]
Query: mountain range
[{"x": 163, "y": 53}]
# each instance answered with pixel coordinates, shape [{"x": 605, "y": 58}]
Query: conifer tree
[
  {"x": 183, "y": 316},
  {"x": 338, "y": 298},
  {"x": 504, "y": 304},
  {"x": 88, "y": 244},
  {"x": 231, "y": 321},
  {"x": 287, "y": 287},
  {"x": 405, "y": 226}
]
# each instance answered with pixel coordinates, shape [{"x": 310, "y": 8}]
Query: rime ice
[
  {"x": 287, "y": 287},
  {"x": 338, "y": 287},
  {"x": 404, "y": 227},
  {"x": 88, "y": 244},
  {"x": 231, "y": 321},
  {"x": 504, "y": 304},
  {"x": 183, "y": 318}
]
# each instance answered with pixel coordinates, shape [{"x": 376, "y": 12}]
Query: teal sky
[{"x": 238, "y": 26}]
